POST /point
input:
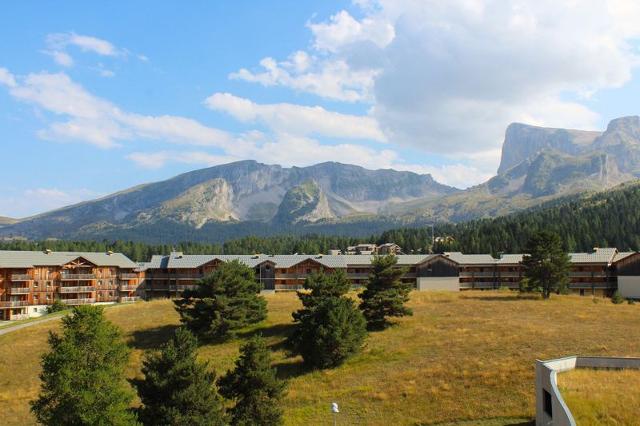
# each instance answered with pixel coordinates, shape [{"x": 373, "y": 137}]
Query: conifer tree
[
  {"x": 177, "y": 389},
  {"x": 546, "y": 265},
  {"x": 330, "y": 328},
  {"x": 385, "y": 294},
  {"x": 254, "y": 387},
  {"x": 83, "y": 373},
  {"x": 225, "y": 301}
]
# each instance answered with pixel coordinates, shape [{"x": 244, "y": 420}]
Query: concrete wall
[
  {"x": 629, "y": 286},
  {"x": 36, "y": 310},
  {"x": 438, "y": 283},
  {"x": 546, "y": 380}
]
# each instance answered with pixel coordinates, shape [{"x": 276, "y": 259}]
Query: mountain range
[{"x": 538, "y": 164}]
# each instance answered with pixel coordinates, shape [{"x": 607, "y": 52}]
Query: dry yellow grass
[
  {"x": 464, "y": 358},
  {"x": 602, "y": 397}
]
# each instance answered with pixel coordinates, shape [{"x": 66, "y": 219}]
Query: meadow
[
  {"x": 602, "y": 397},
  {"x": 461, "y": 359}
]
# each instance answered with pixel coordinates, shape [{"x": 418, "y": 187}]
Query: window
[{"x": 546, "y": 402}]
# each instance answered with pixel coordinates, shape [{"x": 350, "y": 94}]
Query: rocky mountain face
[
  {"x": 538, "y": 164},
  {"x": 245, "y": 191}
]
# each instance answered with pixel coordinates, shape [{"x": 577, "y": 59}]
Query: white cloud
[
  {"x": 60, "y": 41},
  {"x": 96, "y": 121},
  {"x": 297, "y": 119},
  {"x": 158, "y": 159},
  {"x": 343, "y": 30},
  {"x": 60, "y": 57},
  {"x": 7, "y": 78},
  {"x": 28, "y": 202},
  {"x": 448, "y": 77},
  {"x": 331, "y": 79}
]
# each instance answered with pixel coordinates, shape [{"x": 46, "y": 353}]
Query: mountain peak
[{"x": 630, "y": 124}]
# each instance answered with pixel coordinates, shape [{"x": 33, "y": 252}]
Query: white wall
[
  {"x": 36, "y": 310},
  {"x": 438, "y": 283},
  {"x": 629, "y": 286}
]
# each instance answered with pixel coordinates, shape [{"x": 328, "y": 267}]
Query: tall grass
[{"x": 462, "y": 358}]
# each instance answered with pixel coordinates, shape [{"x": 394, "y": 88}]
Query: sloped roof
[
  {"x": 599, "y": 255},
  {"x": 509, "y": 259},
  {"x": 29, "y": 259},
  {"x": 470, "y": 259},
  {"x": 623, "y": 255}
]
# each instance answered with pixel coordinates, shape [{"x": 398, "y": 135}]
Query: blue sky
[{"x": 98, "y": 97}]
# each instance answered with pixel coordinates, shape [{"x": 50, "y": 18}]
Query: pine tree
[
  {"x": 254, "y": 387},
  {"x": 546, "y": 265},
  {"x": 385, "y": 294},
  {"x": 330, "y": 328},
  {"x": 177, "y": 389},
  {"x": 83, "y": 373},
  {"x": 225, "y": 301}
]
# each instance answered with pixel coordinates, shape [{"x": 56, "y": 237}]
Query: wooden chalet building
[
  {"x": 32, "y": 280},
  {"x": 591, "y": 273}
]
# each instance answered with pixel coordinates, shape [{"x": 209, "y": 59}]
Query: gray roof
[
  {"x": 623, "y": 255},
  {"x": 600, "y": 255},
  {"x": 29, "y": 259},
  {"x": 177, "y": 260},
  {"x": 470, "y": 259},
  {"x": 509, "y": 259}
]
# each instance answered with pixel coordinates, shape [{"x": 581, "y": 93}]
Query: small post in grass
[{"x": 335, "y": 410}]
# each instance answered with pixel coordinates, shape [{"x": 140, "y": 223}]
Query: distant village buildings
[{"x": 29, "y": 281}]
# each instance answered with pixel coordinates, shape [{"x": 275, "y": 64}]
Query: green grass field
[
  {"x": 602, "y": 397},
  {"x": 462, "y": 359}
]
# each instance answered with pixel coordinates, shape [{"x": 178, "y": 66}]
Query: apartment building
[
  {"x": 32, "y": 280},
  {"x": 591, "y": 273}
]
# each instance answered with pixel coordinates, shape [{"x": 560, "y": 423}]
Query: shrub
[
  {"x": 56, "y": 306},
  {"x": 617, "y": 298}
]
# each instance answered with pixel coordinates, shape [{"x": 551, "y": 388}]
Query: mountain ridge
[{"x": 538, "y": 164}]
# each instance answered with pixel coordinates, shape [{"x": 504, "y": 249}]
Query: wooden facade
[{"x": 27, "y": 291}]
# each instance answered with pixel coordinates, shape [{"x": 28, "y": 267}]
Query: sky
[{"x": 96, "y": 97}]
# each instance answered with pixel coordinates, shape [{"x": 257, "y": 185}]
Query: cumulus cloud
[
  {"x": 448, "y": 77},
  {"x": 331, "y": 79},
  {"x": 297, "y": 119},
  {"x": 91, "y": 119}
]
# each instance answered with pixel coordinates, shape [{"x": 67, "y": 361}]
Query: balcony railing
[
  {"x": 20, "y": 290},
  {"x": 128, "y": 299},
  {"x": 80, "y": 289},
  {"x": 124, "y": 276},
  {"x": 21, "y": 277},
  {"x": 78, "y": 301},
  {"x": 127, "y": 287},
  {"x": 13, "y": 303},
  {"x": 72, "y": 277}
]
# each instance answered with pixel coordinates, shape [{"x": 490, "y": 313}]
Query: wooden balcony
[
  {"x": 21, "y": 277},
  {"x": 19, "y": 290},
  {"x": 78, "y": 301},
  {"x": 13, "y": 303},
  {"x": 78, "y": 289},
  {"x": 128, "y": 276},
  {"x": 77, "y": 277},
  {"x": 123, "y": 287}
]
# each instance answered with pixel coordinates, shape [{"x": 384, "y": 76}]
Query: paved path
[{"x": 11, "y": 328}]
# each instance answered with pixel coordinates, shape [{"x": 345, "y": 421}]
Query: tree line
[{"x": 606, "y": 219}]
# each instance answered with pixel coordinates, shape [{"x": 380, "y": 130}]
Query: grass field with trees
[{"x": 461, "y": 359}]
